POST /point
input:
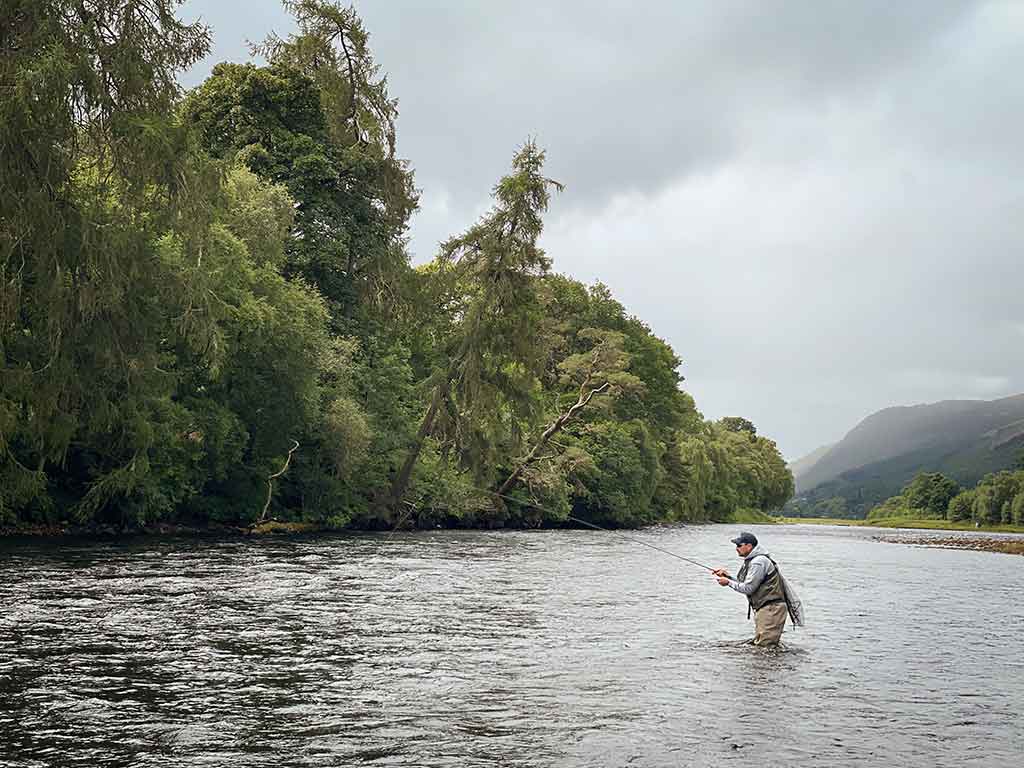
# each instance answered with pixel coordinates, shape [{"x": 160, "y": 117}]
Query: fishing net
[{"x": 796, "y": 607}]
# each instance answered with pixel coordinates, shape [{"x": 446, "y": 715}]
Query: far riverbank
[
  {"x": 1006, "y": 545},
  {"x": 906, "y": 522}
]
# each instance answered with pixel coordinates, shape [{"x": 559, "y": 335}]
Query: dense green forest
[
  {"x": 209, "y": 314},
  {"x": 998, "y": 499}
]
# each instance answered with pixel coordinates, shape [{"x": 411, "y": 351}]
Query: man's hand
[
  {"x": 720, "y": 572},
  {"x": 723, "y": 580}
]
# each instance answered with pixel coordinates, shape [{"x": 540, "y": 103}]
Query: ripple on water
[{"x": 519, "y": 649}]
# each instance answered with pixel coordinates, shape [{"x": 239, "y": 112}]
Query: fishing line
[
  {"x": 606, "y": 530},
  {"x": 638, "y": 541},
  {"x": 575, "y": 520}
]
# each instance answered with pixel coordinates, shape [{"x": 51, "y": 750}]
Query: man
[{"x": 759, "y": 579}]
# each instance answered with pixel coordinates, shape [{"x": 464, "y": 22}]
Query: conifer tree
[
  {"x": 92, "y": 167},
  {"x": 331, "y": 47},
  {"x": 493, "y": 360}
]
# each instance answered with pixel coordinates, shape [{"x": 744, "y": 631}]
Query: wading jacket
[{"x": 759, "y": 579}]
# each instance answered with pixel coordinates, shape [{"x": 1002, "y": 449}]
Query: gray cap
[{"x": 745, "y": 538}]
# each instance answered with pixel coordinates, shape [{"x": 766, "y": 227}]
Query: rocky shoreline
[{"x": 1005, "y": 545}]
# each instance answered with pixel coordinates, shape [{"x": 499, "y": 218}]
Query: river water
[{"x": 547, "y": 648}]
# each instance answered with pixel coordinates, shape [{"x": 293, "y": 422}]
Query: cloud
[{"x": 988, "y": 386}]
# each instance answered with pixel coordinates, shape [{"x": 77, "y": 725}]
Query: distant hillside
[
  {"x": 804, "y": 463},
  {"x": 964, "y": 439}
]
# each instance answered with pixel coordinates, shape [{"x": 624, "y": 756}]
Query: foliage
[
  {"x": 961, "y": 506},
  {"x": 995, "y": 498},
  {"x": 998, "y": 499},
  {"x": 751, "y": 516},
  {"x": 95, "y": 171},
  {"x": 930, "y": 493},
  {"x": 191, "y": 285},
  {"x": 738, "y": 424},
  {"x": 346, "y": 239},
  {"x": 890, "y": 508},
  {"x": 834, "y": 507},
  {"x": 926, "y": 496},
  {"x": 484, "y": 388}
]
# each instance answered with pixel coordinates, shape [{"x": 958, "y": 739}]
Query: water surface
[{"x": 553, "y": 648}]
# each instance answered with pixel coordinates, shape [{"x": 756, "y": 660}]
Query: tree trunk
[{"x": 401, "y": 482}]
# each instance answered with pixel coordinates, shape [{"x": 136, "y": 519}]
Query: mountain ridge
[
  {"x": 805, "y": 462},
  {"x": 964, "y": 439}
]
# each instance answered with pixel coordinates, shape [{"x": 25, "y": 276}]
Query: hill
[
  {"x": 964, "y": 439},
  {"x": 804, "y": 463}
]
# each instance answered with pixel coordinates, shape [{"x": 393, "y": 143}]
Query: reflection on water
[{"x": 520, "y": 649}]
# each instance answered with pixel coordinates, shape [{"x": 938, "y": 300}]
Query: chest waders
[{"x": 768, "y": 591}]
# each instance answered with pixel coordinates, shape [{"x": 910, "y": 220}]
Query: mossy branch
[
  {"x": 581, "y": 402},
  {"x": 270, "y": 481}
]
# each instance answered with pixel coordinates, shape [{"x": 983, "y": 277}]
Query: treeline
[
  {"x": 998, "y": 499},
  {"x": 209, "y": 316}
]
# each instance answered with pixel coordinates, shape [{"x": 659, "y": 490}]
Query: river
[{"x": 546, "y": 648}]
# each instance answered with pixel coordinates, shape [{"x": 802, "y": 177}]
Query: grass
[
  {"x": 820, "y": 521},
  {"x": 907, "y": 522},
  {"x": 754, "y": 516}
]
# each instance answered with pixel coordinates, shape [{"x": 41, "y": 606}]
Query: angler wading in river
[{"x": 768, "y": 595}]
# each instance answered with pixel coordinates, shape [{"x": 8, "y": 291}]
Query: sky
[{"x": 818, "y": 205}]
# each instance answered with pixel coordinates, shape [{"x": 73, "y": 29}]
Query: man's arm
[{"x": 755, "y": 575}]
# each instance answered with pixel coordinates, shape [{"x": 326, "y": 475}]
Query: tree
[
  {"x": 618, "y": 485},
  {"x": 319, "y": 121},
  {"x": 492, "y": 364},
  {"x": 1017, "y": 507},
  {"x": 778, "y": 484},
  {"x": 929, "y": 493},
  {"x": 834, "y": 507},
  {"x": 331, "y": 47},
  {"x": 242, "y": 385},
  {"x": 154, "y": 359},
  {"x": 739, "y": 424},
  {"x": 750, "y": 471},
  {"x": 688, "y": 475},
  {"x": 894, "y": 506},
  {"x": 961, "y": 506},
  {"x": 993, "y": 497},
  {"x": 94, "y": 168}
]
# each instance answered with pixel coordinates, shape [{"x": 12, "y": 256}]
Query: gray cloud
[{"x": 816, "y": 204}]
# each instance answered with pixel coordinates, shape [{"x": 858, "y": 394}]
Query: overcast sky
[{"x": 817, "y": 204}]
